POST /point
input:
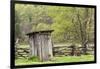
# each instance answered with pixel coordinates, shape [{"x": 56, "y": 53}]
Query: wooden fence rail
[
  {"x": 69, "y": 51},
  {"x": 22, "y": 52},
  {"x": 57, "y": 51}
]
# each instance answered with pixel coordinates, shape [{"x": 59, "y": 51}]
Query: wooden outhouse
[{"x": 41, "y": 44}]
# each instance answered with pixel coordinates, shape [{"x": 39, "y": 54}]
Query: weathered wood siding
[
  {"x": 44, "y": 47},
  {"x": 31, "y": 42},
  {"x": 41, "y": 46},
  {"x": 50, "y": 46}
]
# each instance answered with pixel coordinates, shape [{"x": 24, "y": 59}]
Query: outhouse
[{"x": 41, "y": 44}]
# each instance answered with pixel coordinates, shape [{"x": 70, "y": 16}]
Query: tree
[
  {"x": 70, "y": 24},
  {"x": 83, "y": 21}
]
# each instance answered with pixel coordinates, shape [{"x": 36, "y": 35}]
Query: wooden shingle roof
[{"x": 42, "y": 31}]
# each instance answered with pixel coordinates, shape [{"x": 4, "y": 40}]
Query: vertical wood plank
[
  {"x": 50, "y": 45},
  {"x": 31, "y": 39},
  {"x": 39, "y": 48},
  {"x": 35, "y": 44},
  {"x": 42, "y": 48},
  {"x": 46, "y": 51}
]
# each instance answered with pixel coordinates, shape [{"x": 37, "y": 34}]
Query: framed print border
[{"x": 12, "y": 49}]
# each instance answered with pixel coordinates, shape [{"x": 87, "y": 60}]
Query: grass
[
  {"x": 63, "y": 59},
  {"x": 23, "y": 46},
  {"x": 55, "y": 45}
]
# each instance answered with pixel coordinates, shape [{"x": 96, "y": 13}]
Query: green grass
[
  {"x": 63, "y": 59},
  {"x": 23, "y": 46}
]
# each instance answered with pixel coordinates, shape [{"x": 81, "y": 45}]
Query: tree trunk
[{"x": 84, "y": 49}]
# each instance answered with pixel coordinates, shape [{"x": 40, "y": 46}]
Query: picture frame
[{"x": 13, "y": 3}]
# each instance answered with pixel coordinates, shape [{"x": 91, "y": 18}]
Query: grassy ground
[
  {"x": 63, "y": 59},
  {"x": 55, "y": 45}
]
